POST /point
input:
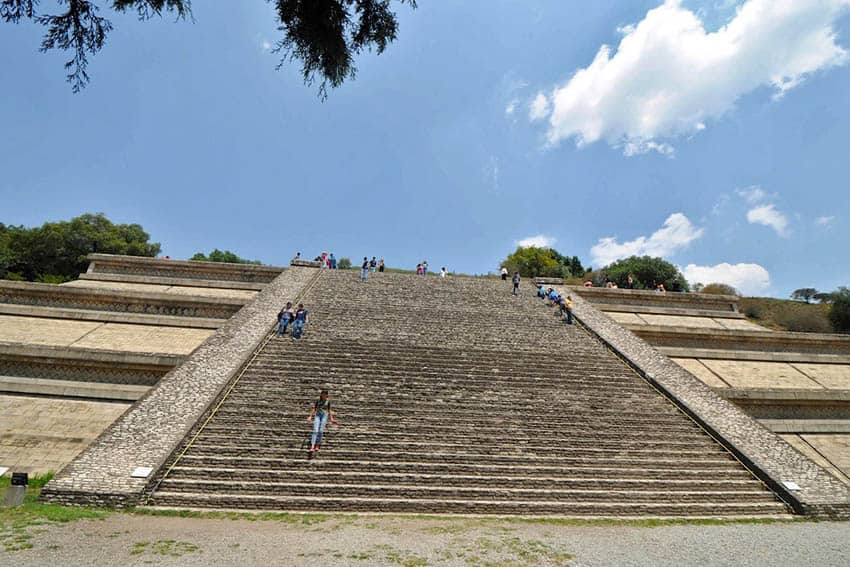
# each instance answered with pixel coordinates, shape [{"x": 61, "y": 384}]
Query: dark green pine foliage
[{"x": 324, "y": 35}]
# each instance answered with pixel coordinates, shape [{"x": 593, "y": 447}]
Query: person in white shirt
[
  {"x": 504, "y": 274},
  {"x": 443, "y": 272}
]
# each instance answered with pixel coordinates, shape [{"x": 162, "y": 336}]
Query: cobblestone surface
[
  {"x": 147, "y": 434},
  {"x": 773, "y": 459}
]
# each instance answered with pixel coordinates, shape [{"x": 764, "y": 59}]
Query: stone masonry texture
[
  {"x": 769, "y": 456},
  {"x": 147, "y": 434}
]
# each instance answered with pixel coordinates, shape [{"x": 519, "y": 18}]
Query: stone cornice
[
  {"x": 703, "y": 301},
  {"x": 773, "y": 341},
  {"x": 110, "y": 263},
  {"x": 151, "y": 303}
]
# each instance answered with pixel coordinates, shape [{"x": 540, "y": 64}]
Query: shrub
[
  {"x": 803, "y": 321},
  {"x": 719, "y": 289},
  {"x": 752, "y": 309},
  {"x": 344, "y": 264},
  {"x": 52, "y": 279},
  {"x": 839, "y": 312},
  {"x": 14, "y": 276}
]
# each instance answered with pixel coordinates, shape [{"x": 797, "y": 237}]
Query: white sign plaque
[
  {"x": 791, "y": 485},
  {"x": 142, "y": 472},
  {"x": 3, "y": 470}
]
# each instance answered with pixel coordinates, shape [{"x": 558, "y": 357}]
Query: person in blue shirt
[
  {"x": 553, "y": 296},
  {"x": 300, "y": 321},
  {"x": 541, "y": 292}
]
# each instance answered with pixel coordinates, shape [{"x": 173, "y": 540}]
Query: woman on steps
[{"x": 319, "y": 416}]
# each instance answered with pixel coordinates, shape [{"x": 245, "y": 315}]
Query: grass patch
[
  {"x": 16, "y": 523},
  {"x": 282, "y": 517},
  {"x": 786, "y": 315}
]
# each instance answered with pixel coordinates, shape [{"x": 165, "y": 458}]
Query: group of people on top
[
  {"x": 370, "y": 266},
  {"x": 631, "y": 283},
  {"x": 564, "y": 303}
]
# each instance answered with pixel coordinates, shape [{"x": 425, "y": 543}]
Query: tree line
[{"x": 57, "y": 252}]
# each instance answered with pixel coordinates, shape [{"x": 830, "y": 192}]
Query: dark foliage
[
  {"x": 648, "y": 272},
  {"x": 839, "y": 312},
  {"x": 57, "y": 251},
  {"x": 719, "y": 289},
  {"x": 222, "y": 256},
  {"x": 325, "y": 35},
  {"x": 804, "y": 294},
  {"x": 547, "y": 262}
]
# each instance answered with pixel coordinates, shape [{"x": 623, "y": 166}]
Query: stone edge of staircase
[
  {"x": 768, "y": 456},
  {"x": 147, "y": 433}
]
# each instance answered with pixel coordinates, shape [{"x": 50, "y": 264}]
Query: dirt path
[{"x": 129, "y": 539}]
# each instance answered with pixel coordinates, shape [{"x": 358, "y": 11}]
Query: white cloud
[
  {"x": 511, "y": 107},
  {"x": 752, "y": 194},
  {"x": 769, "y": 216},
  {"x": 677, "y": 233},
  {"x": 539, "y": 108},
  {"x": 668, "y": 76},
  {"x": 825, "y": 221},
  {"x": 749, "y": 279},
  {"x": 539, "y": 241}
]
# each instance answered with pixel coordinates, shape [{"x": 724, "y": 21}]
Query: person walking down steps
[
  {"x": 319, "y": 416},
  {"x": 515, "y": 280},
  {"x": 300, "y": 321},
  {"x": 284, "y": 318}
]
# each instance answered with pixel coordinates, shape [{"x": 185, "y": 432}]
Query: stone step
[
  {"x": 332, "y": 442},
  {"x": 315, "y": 474},
  {"x": 449, "y": 434},
  {"x": 717, "y": 469},
  {"x": 400, "y": 490},
  {"x": 506, "y": 455},
  {"x": 485, "y": 507},
  {"x": 410, "y": 417}
]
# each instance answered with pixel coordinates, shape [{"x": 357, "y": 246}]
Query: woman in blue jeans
[{"x": 319, "y": 415}]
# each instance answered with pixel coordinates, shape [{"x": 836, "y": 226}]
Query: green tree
[
  {"x": 824, "y": 297},
  {"x": 225, "y": 256},
  {"x": 344, "y": 264},
  {"x": 324, "y": 35},
  {"x": 647, "y": 271},
  {"x": 718, "y": 289},
  {"x": 533, "y": 261},
  {"x": 58, "y": 250},
  {"x": 804, "y": 294},
  {"x": 839, "y": 311}
]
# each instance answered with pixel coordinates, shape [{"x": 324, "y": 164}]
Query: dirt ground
[{"x": 137, "y": 539}]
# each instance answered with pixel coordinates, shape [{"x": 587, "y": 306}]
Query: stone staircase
[{"x": 453, "y": 397}]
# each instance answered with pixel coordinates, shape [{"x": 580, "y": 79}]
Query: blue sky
[{"x": 710, "y": 133}]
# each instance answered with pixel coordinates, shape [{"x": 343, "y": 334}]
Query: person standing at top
[
  {"x": 319, "y": 416},
  {"x": 418, "y": 269},
  {"x": 424, "y": 267},
  {"x": 324, "y": 260},
  {"x": 630, "y": 282},
  {"x": 300, "y": 320},
  {"x": 373, "y": 264},
  {"x": 364, "y": 269},
  {"x": 504, "y": 274},
  {"x": 381, "y": 265},
  {"x": 443, "y": 272},
  {"x": 332, "y": 261},
  {"x": 284, "y": 318},
  {"x": 516, "y": 280}
]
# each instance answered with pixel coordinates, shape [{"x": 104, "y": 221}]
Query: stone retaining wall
[{"x": 767, "y": 455}]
